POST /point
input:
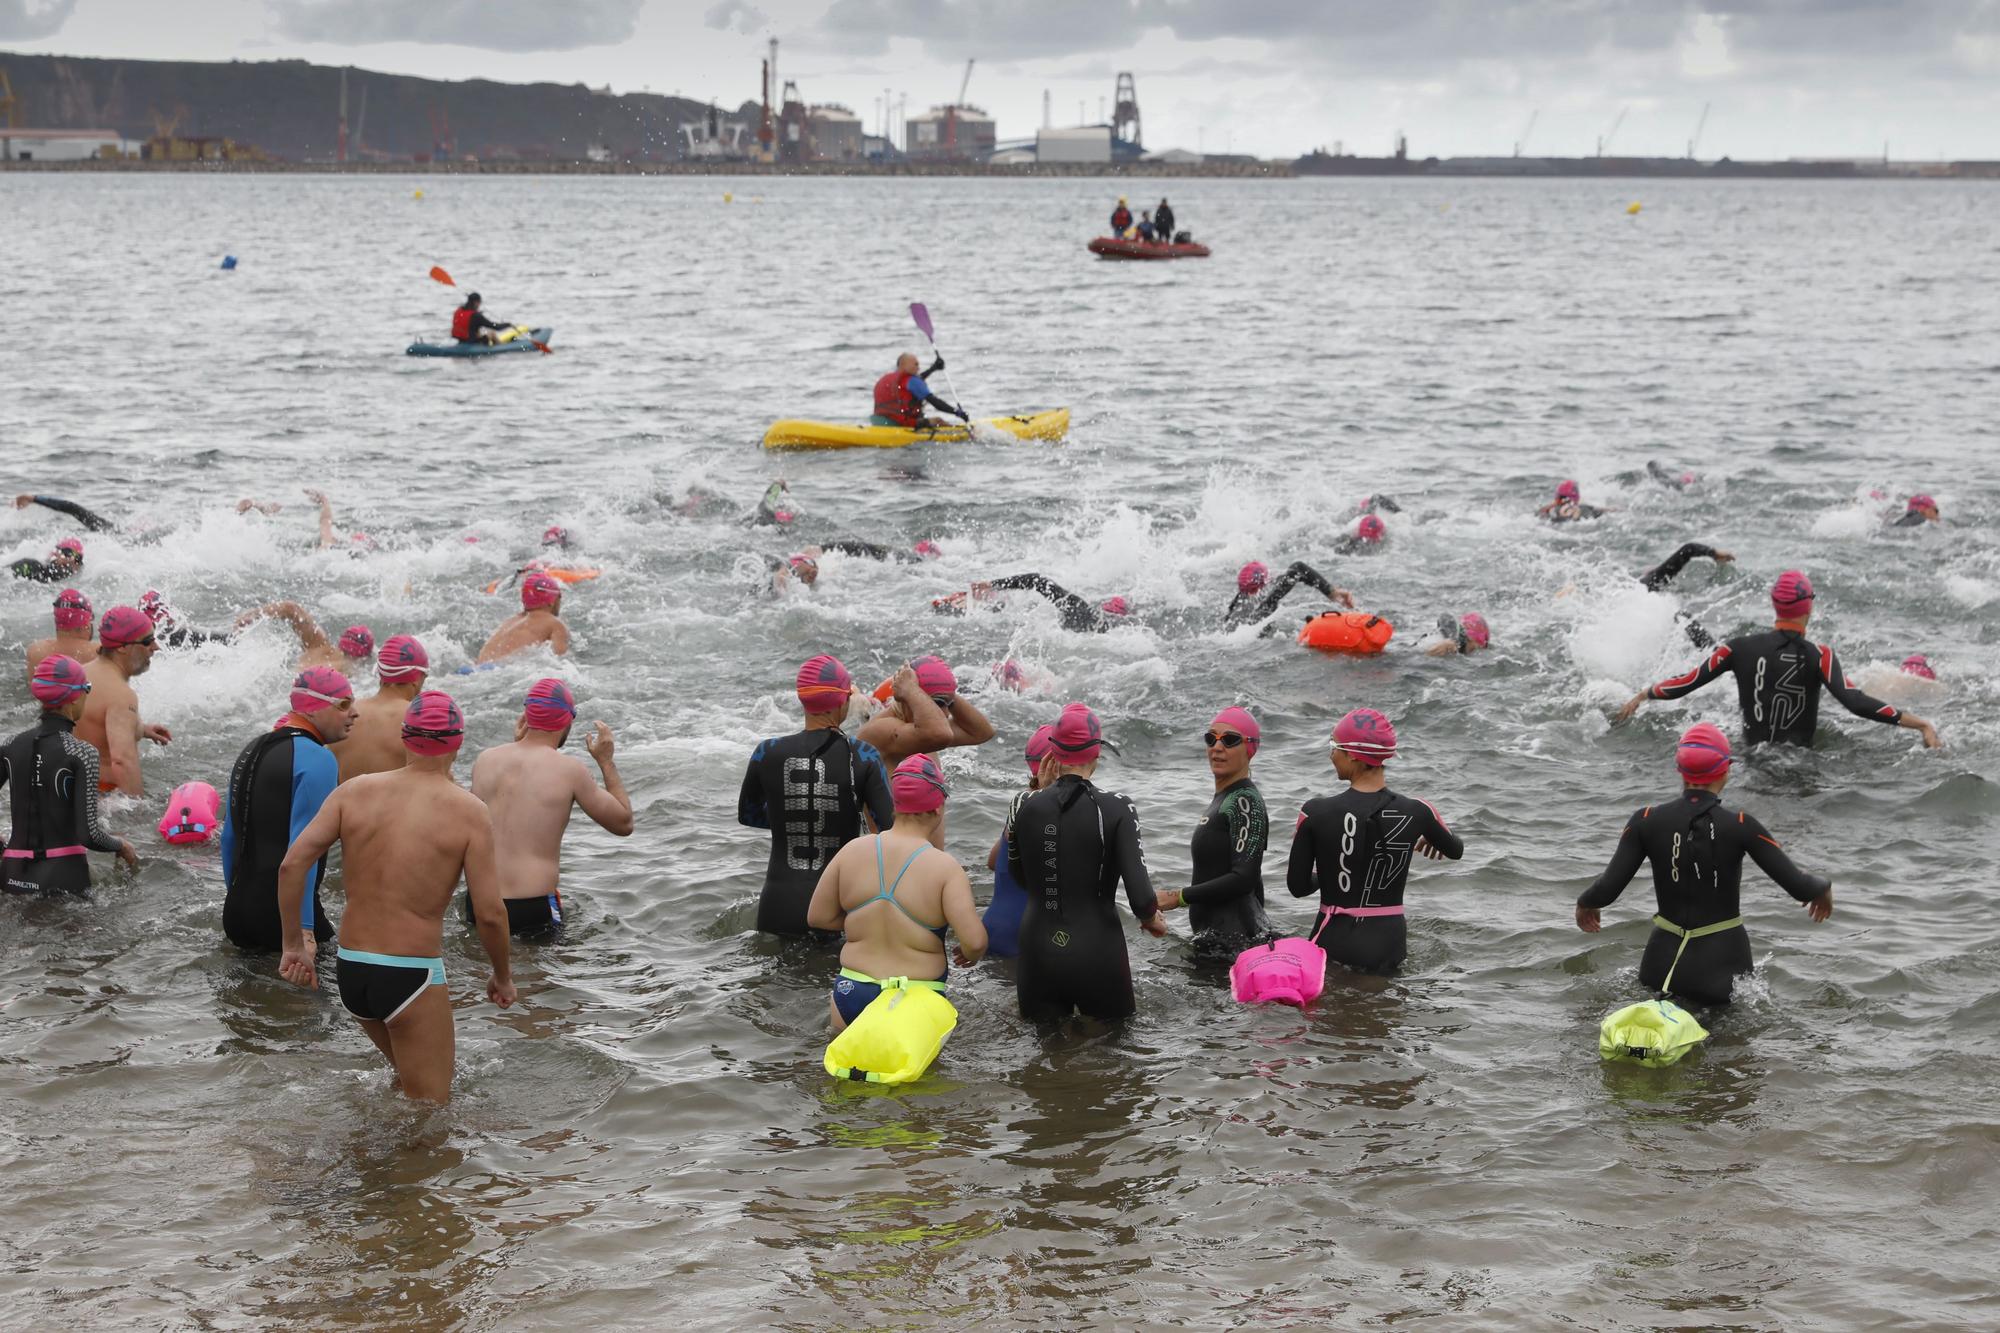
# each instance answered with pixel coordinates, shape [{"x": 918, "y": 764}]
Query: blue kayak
[{"x": 521, "y": 343}]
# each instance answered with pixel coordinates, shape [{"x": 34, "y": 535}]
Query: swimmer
[
  {"x": 75, "y": 636},
  {"x": 775, "y": 506},
  {"x": 1916, "y": 664},
  {"x": 1003, "y": 915},
  {"x": 540, "y": 622},
  {"x": 924, "y": 550},
  {"x": 406, "y": 837},
  {"x": 810, "y": 789},
  {"x": 351, "y": 653},
  {"x": 1467, "y": 633},
  {"x": 1696, "y": 844},
  {"x": 1779, "y": 674},
  {"x": 927, "y": 886},
  {"x": 167, "y": 626},
  {"x": 1077, "y": 614},
  {"x": 1068, "y": 846},
  {"x": 328, "y": 539},
  {"x": 1369, "y": 530},
  {"x": 64, "y": 562},
  {"x": 1667, "y": 477},
  {"x": 110, "y": 721},
  {"x": 1354, "y": 850},
  {"x": 91, "y": 522},
  {"x": 1372, "y": 503},
  {"x": 277, "y": 786},
  {"x": 1568, "y": 506},
  {"x": 52, "y": 782},
  {"x": 1660, "y": 575},
  {"x": 530, "y": 787},
  {"x": 926, "y": 713},
  {"x": 556, "y": 541},
  {"x": 1921, "y": 510},
  {"x": 1225, "y": 902},
  {"x": 1248, "y": 607},
  {"x": 374, "y": 741},
  {"x": 802, "y": 569}
]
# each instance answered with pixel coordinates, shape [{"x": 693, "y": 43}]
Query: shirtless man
[
  {"x": 903, "y": 870},
  {"x": 539, "y": 622},
  {"x": 530, "y": 787},
  {"x": 925, "y": 714},
  {"x": 374, "y": 742},
  {"x": 74, "y": 637},
  {"x": 356, "y": 646},
  {"x": 406, "y": 837},
  {"x": 111, "y": 719}
]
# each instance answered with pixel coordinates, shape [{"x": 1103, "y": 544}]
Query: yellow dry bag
[{"x": 896, "y": 1037}]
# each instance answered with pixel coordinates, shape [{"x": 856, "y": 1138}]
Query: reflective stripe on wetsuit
[
  {"x": 810, "y": 790},
  {"x": 1779, "y": 674}
]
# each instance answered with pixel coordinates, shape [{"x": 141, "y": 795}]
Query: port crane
[
  {"x": 1699, "y": 126},
  {"x": 1605, "y": 142},
  {"x": 951, "y": 112},
  {"x": 1526, "y": 130}
]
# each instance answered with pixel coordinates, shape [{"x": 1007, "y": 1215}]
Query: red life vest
[
  {"x": 893, "y": 400},
  {"x": 461, "y": 324},
  {"x": 1121, "y": 219}
]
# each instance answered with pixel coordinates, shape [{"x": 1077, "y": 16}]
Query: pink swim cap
[
  {"x": 1921, "y": 502},
  {"x": 824, "y": 684},
  {"x": 1791, "y": 595},
  {"x": 57, "y": 680},
  {"x": 556, "y": 535},
  {"x": 74, "y": 545},
  {"x": 1366, "y": 735},
  {"x": 549, "y": 706},
  {"x": 782, "y": 515},
  {"x": 1115, "y": 606},
  {"x": 1239, "y": 721},
  {"x": 1703, "y": 754},
  {"x": 1687, "y": 478},
  {"x": 1916, "y": 664},
  {"x": 193, "y": 814},
  {"x": 401, "y": 658},
  {"x": 1473, "y": 626},
  {"x": 1039, "y": 745},
  {"x": 1077, "y": 736},
  {"x": 319, "y": 687},
  {"x": 935, "y": 677},
  {"x": 928, "y": 549},
  {"x": 154, "y": 605},
  {"x": 918, "y": 786},
  {"x": 1568, "y": 490},
  {"x": 432, "y": 725},
  {"x": 72, "y": 609},
  {"x": 538, "y": 589},
  {"x": 1252, "y": 577},
  {"x": 357, "y": 641},
  {"x": 122, "y": 626},
  {"x": 1370, "y": 528},
  {"x": 1010, "y": 675}
]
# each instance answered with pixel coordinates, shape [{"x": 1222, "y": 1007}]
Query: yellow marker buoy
[
  {"x": 1632, "y": 208},
  {"x": 418, "y": 195},
  {"x": 728, "y": 198}
]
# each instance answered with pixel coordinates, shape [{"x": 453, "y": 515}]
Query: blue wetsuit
[
  {"x": 1003, "y": 915},
  {"x": 278, "y": 784}
]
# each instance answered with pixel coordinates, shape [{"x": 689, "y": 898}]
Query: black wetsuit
[
  {"x": 1077, "y": 614},
  {"x": 42, "y": 571},
  {"x": 809, "y": 789},
  {"x": 1068, "y": 846},
  {"x": 1574, "y": 513},
  {"x": 1779, "y": 674},
  {"x": 1226, "y": 900},
  {"x": 1375, "y": 502},
  {"x": 52, "y": 782},
  {"x": 868, "y": 550},
  {"x": 276, "y": 788},
  {"x": 1666, "y": 476},
  {"x": 1248, "y": 608},
  {"x": 1660, "y": 575},
  {"x": 1696, "y": 845},
  {"x": 1912, "y": 519},
  {"x": 1354, "y": 850},
  {"x": 91, "y": 522},
  {"x": 1163, "y": 222}
]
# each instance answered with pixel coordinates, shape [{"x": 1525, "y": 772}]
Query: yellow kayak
[{"x": 1050, "y": 425}]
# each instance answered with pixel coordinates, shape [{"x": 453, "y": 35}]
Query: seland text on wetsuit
[
  {"x": 1779, "y": 674},
  {"x": 1249, "y": 608},
  {"x": 1354, "y": 850},
  {"x": 809, "y": 789},
  {"x": 1226, "y": 900},
  {"x": 1696, "y": 845},
  {"x": 276, "y": 788},
  {"x": 51, "y": 778},
  {"x": 1070, "y": 845}
]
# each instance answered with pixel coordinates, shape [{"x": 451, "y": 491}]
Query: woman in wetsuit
[
  {"x": 1354, "y": 850},
  {"x": 1003, "y": 914},
  {"x": 1069, "y": 846},
  {"x": 1226, "y": 900},
  {"x": 51, "y": 778},
  {"x": 1696, "y": 844},
  {"x": 1257, "y": 598}
]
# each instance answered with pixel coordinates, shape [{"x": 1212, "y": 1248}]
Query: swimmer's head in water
[
  {"x": 935, "y": 678},
  {"x": 72, "y": 610},
  {"x": 1235, "y": 721},
  {"x": 805, "y": 569},
  {"x": 1252, "y": 577},
  {"x": 1078, "y": 736},
  {"x": 154, "y": 605},
  {"x": 320, "y": 687},
  {"x": 1473, "y": 632},
  {"x": 402, "y": 659},
  {"x": 1923, "y": 504},
  {"x": 538, "y": 589},
  {"x": 556, "y": 535},
  {"x": 124, "y": 626},
  {"x": 549, "y": 705},
  {"x": 824, "y": 685},
  {"x": 1010, "y": 675},
  {"x": 1371, "y": 528},
  {"x": 918, "y": 786},
  {"x": 1367, "y": 736},
  {"x": 1916, "y": 664},
  {"x": 72, "y": 545},
  {"x": 1040, "y": 745},
  {"x": 432, "y": 725},
  {"x": 1792, "y": 596},
  {"x": 357, "y": 642},
  {"x": 1568, "y": 490},
  {"x": 1703, "y": 753},
  {"x": 1115, "y": 606},
  {"x": 57, "y": 680},
  {"x": 928, "y": 549}
]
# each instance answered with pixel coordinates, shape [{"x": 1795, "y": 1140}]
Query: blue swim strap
[{"x": 433, "y": 966}]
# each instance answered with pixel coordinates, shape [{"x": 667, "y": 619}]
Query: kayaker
[
  {"x": 901, "y": 394},
  {"x": 469, "y": 325},
  {"x": 1121, "y": 218}
]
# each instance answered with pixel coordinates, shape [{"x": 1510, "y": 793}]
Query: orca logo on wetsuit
[
  {"x": 1347, "y": 827},
  {"x": 807, "y": 793}
]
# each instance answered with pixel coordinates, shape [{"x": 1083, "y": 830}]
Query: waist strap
[
  {"x": 43, "y": 853},
  {"x": 1327, "y": 914},
  {"x": 1686, "y": 934},
  {"x": 893, "y": 983}
]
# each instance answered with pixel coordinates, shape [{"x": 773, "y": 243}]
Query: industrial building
[
  {"x": 835, "y": 134},
  {"x": 30, "y": 145},
  {"x": 1089, "y": 143},
  {"x": 949, "y": 134}
]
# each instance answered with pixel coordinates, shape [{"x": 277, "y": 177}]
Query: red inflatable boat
[{"x": 1111, "y": 247}]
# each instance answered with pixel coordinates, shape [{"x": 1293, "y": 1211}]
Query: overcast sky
[{"x": 1786, "y": 78}]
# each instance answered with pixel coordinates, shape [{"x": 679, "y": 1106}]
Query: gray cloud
[
  {"x": 26, "y": 20},
  {"x": 493, "y": 25},
  {"x": 992, "y": 30},
  {"x": 746, "y": 18}
]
